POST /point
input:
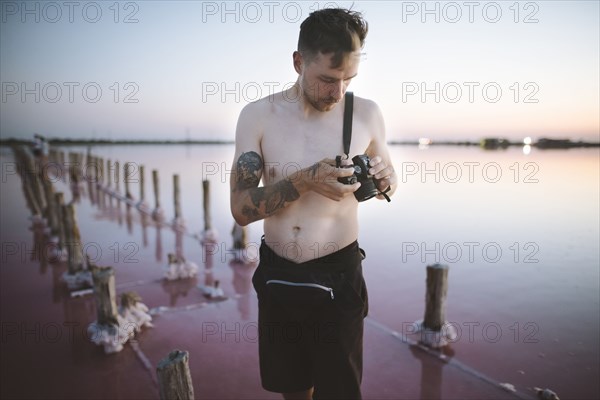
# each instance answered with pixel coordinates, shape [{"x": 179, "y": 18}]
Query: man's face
[{"x": 323, "y": 86}]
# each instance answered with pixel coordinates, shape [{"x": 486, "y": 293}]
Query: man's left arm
[{"x": 381, "y": 163}]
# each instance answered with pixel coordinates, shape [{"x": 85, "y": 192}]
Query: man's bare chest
[{"x": 286, "y": 149}]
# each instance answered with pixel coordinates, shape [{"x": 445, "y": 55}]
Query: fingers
[
  {"x": 341, "y": 172},
  {"x": 328, "y": 161},
  {"x": 335, "y": 172},
  {"x": 384, "y": 173},
  {"x": 379, "y": 169},
  {"x": 341, "y": 191}
]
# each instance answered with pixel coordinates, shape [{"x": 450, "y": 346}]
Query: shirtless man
[{"x": 309, "y": 273}]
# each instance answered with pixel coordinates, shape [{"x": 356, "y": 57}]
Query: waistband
[{"x": 348, "y": 257}]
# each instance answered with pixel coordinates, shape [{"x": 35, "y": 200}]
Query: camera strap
[
  {"x": 347, "y": 131},
  {"x": 348, "y": 108}
]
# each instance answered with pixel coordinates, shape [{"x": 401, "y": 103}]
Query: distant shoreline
[
  {"x": 102, "y": 142},
  {"x": 486, "y": 143}
]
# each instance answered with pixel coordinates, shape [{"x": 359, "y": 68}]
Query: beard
[{"x": 311, "y": 95}]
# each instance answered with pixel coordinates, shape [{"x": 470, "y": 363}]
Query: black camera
[{"x": 367, "y": 188}]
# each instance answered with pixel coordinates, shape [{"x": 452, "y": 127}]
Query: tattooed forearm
[
  {"x": 273, "y": 197},
  {"x": 313, "y": 169},
  {"x": 248, "y": 170},
  {"x": 250, "y": 212},
  {"x": 252, "y": 202}
]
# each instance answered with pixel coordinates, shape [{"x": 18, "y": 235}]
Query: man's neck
[{"x": 307, "y": 109}]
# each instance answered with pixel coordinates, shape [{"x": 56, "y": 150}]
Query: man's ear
[{"x": 298, "y": 62}]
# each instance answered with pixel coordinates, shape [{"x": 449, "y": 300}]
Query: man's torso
[{"x": 312, "y": 226}]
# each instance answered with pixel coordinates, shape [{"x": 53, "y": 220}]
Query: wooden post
[
  {"x": 142, "y": 188},
  {"x": 108, "y": 174},
  {"x": 96, "y": 171},
  {"x": 174, "y": 378},
  {"x": 126, "y": 174},
  {"x": 117, "y": 177},
  {"x": 80, "y": 166},
  {"x": 437, "y": 287},
  {"x": 74, "y": 168},
  {"x": 105, "y": 293},
  {"x": 157, "y": 213},
  {"x": 100, "y": 183},
  {"x": 50, "y": 206},
  {"x": 176, "y": 197},
  {"x": 156, "y": 189},
  {"x": 24, "y": 169},
  {"x": 91, "y": 180},
  {"x": 206, "y": 202},
  {"x": 109, "y": 177},
  {"x": 33, "y": 176},
  {"x": 30, "y": 197},
  {"x": 59, "y": 203},
  {"x": 73, "y": 239},
  {"x": 61, "y": 158}
]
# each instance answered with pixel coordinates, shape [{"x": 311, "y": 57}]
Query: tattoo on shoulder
[{"x": 248, "y": 168}]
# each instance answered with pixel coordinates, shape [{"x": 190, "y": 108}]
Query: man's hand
[
  {"x": 321, "y": 177},
  {"x": 384, "y": 174}
]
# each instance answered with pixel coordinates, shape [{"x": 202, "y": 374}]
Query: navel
[{"x": 296, "y": 230}]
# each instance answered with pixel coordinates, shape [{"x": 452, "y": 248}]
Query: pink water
[{"x": 522, "y": 248}]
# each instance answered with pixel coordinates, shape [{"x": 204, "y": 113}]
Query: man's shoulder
[
  {"x": 365, "y": 104},
  {"x": 366, "y": 109},
  {"x": 267, "y": 104}
]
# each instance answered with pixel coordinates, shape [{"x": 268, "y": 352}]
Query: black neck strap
[{"x": 348, "y": 107}]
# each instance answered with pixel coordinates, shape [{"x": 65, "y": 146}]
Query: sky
[{"x": 184, "y": 69}]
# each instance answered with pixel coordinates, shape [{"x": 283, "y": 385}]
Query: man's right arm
[{"x": 251, "y": 203}]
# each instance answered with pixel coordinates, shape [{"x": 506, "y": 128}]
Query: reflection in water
[
  {"x": 144, "y": 220},
  {"x": 91, "y": 191},
  {"x": 76, "y": 310},
  {"x": 128, "y": 219},
  {"x": 178, "y": 244},
  {"x": 243, "y": 268},
  {"x": 158, "y": 244},
  {"x": 118, "y": 211},
  {"x": 209, "y": 279},
  {"x": 242, "y": 284},
  {"x": 58, "y": 287},
  {"x": 431, "y": 371},
  {"x": 178, "y": 288},
  {"x": 40, "y": 246}
]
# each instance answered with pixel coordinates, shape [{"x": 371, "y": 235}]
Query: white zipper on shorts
[{"x": 314, "y": 285}]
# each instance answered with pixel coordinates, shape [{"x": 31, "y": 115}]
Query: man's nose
[{"x": 337, "y": 91}]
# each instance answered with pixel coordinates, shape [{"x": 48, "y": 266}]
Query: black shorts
[{"x": 310, "y": 318}]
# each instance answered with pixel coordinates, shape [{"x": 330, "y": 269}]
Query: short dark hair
[{"x": 332, "y": 30}]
